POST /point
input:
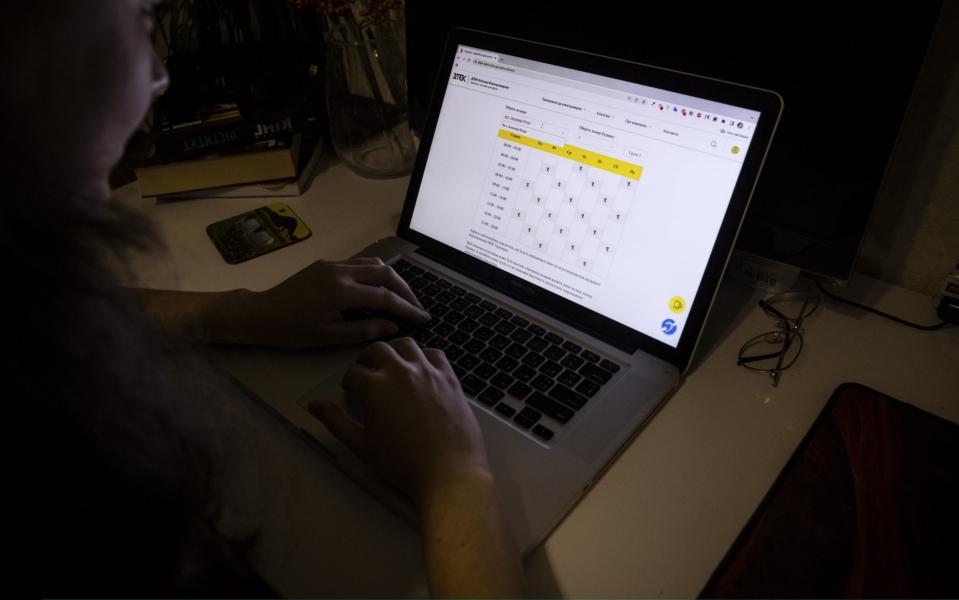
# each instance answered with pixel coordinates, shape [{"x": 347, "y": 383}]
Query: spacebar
[{"x": 549, "y": 407}]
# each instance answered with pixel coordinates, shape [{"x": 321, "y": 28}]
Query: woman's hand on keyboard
[
  {"x": 306, "y": 310},
  {"x": 419, "y": 430}
]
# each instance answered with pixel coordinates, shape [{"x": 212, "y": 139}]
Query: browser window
[{"x": 605, "y": 192}]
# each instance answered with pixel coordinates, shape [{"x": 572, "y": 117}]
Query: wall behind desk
[{"x": 913, "y": 237}]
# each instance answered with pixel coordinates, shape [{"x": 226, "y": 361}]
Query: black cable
[{"x": 879, "y": 312}]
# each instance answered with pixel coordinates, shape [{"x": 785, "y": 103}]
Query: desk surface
[{"x": 662, "y": 517}]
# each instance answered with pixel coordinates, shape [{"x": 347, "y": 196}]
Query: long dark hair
[{"x": 109, "y": 423}]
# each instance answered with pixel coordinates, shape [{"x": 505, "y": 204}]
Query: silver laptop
[{"x": 567, "y": 223}]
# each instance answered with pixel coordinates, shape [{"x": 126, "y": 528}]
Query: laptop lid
[{"x": 605, "y": 193}]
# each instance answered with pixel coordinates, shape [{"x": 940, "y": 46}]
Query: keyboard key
[
  {"x": 429, "y": 276},
  {"x": 491, "y": 355},
  {"x": 485, "y": 370},
  {"x": 430, "y": 290},
  {"x": 488, "y": 305},
  {"x": 550, "y": 408},
  {"x": 567, "y": 396},
  {"x": 443, "y": 283},
  {"x": 502, "y": 380},
  {"x": 609, "y": 365},
  {"x": 516, "y": 351},
  {"x": 439, "y": 310},
  {"x": 483, "y": 333},
  {"x": 490, "y": 396},
  {"x": 551, "y": 368},
  {"x": 569, "y": 378},
  {"x": 504, "y": 327},
  {"x": 443, "y": 329},
  {"x": 588, "y": 388},
  {"x": 534, "y": 360},
  {"x": 593, "y": 372},
  {"x": 571, "y": 347},
  {"x": 422, "y": 336},
  {"x": 537, "y": 344},
  {"x": 520, "y": 335},
  {"x": 554, "y": 352},
  {"x": 522, "y": 421},
  {"x": 474, "y": 346},
  {"x": 543, "y": 432},
  {"x": 454, "y": 317},
  {"x": 468, "y": 361},
  {"x": 505, "y": 409},
  {"x": 519, "y": 321},
  {"x": 473, "y": 311},
  {"x": 499, "y": 342},
  {"x": 472, "y": 298},
  {"x": 571, "y": 361},
  {"x": 458, "y": 290},
  {"x": 459, "y": 304},
  {"x": 468, "y": 325},
  {"x": 553, "y": 338},
  {"x": 542, "y": 382},
  {"x": 591, "y": 357},
  {"x": 489, "y": 319},
  {"x": 535, "y": 329},
  {"x": 524, "y": 373},
  {"x": 402, "y": 264},
  {"x": 506, "y": 364},
  {"x": 460, "y": 371},
  {"x": 472, "y": 384},
  {"x": 530, "y": 414},
  {"x": 445, "y": 296},
  {"x": 453, "y": 353},
  {"x": 502, "y": 313},
  {"x": 416, "y": 270},
  {"x": 519, "y": 390},
  {"x": 458, "y": 337}
]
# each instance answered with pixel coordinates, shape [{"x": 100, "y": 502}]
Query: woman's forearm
[{"x": 470, "y": 551}]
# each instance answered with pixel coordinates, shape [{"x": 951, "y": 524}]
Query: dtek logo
[{"x": 459, "y": 77}]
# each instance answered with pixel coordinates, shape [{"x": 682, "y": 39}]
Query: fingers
[
  {"x": 352, "y": 332},
  {"x": 383, "y": 275},
  {"x": 437, "y": 358},
  {"x": 382, "y": 298},
  {"x": 363, "y": 260},
  {"x": 378, "y": 356},
  {"x": 341, "y": 425},
  {"x": 408, "y": 349}
]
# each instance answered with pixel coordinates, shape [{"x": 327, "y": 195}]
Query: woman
[{"x": 112, "y": 428}]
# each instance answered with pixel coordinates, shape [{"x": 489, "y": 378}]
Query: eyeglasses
[{"x": 775, "y": 351}]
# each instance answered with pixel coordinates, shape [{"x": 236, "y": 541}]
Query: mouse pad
[{"x": 867, "y": 506}]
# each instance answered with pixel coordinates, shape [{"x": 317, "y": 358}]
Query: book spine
[{"x": 194, "y": 142}]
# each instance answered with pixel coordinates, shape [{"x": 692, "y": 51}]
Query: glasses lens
[{"x": 773, "y": 350}]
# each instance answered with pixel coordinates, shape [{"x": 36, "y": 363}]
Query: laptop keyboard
[{"x": 519, "y": 369}]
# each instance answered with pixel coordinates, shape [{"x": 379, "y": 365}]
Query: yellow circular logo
[
  {"x": 735, "y": 150},
  {"x": 677, "y": 305}
]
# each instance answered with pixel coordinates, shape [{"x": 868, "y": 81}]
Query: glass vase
[{"x": 366, "y": 98}]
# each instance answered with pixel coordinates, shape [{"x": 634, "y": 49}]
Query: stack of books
[{"x": 223, "y": 154}]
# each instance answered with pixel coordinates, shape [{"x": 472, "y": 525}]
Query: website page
[{"x": 607, "y": 193}]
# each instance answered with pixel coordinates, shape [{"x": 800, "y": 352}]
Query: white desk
[{"x": 665, "y": 513}]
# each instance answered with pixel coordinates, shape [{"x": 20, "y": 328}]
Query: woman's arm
[
  {"x": 303, "y": 311},
  {"x": 420, "y": 433}
]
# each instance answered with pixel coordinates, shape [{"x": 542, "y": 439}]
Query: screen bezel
[{"x": 767, "y": 103}]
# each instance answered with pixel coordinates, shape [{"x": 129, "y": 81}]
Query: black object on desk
[{"x": 867, "y": 506}]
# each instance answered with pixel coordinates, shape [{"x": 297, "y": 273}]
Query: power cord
[{"x": 832, "y": 296}]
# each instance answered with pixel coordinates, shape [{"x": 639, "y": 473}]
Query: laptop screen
[{"x": 605, "y": 192}]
